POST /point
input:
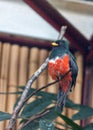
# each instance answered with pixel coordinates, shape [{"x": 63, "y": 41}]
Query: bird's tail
[{"x": 61, "y": 100}]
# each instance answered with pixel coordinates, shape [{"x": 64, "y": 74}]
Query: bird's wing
[{"x": 74, "y": 68}]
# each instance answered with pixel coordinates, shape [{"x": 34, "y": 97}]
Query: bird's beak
[{"x": 54, "y": 44}]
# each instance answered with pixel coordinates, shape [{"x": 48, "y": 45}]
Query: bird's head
[{"x": 61, "y": 44}]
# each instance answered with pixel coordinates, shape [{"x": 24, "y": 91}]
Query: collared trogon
[{"x": 60, "y": 62}]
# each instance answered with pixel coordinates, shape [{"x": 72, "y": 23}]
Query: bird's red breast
[{"x": 59, "y": 67}]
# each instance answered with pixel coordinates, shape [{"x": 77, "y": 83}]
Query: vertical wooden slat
[
  {"x": 4, "y": 77},
  {"x": 13, "y": 77},
  {"x": 78, "y": 88},
  {"x": 23, "y": 66},
  {"x": 33, "y": 63},
  {"x": 42, "y": 79},
  {"x": 33, "y": 66},
  {"x": 23, "y": 69},
  {"x": 79, "y": 81}
]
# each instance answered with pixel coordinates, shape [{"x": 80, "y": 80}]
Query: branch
[
  {"x": 28, "y": 85},
  {"x": 24, "y": 95},
  {"x": 62, "y": 32},
  {"x": 37, "y": 116}
]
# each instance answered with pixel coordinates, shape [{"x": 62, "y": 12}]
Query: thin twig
[
  {"x": 24, "y": 94},
  {"x": 62, "y": 32},
  {"x": 59, "y": 128},
  {"x": 37, "y": 116}
]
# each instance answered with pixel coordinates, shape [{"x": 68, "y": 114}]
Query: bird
[{"x": 61, "y": 60}]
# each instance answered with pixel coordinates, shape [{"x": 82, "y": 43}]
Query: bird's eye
[{"x": 54, "y": 44}]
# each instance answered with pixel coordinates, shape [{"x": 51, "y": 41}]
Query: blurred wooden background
[{"x": 18, "y": 63}]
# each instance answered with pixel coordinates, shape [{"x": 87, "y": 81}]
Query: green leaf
[
  {"x": 70, "y": 122},
  {"x": 21, "y": 87},
  {"x": 51, "y": 115},
  {"x": 32, "y": 126},
  {"x": 51, "y": 96},
  {"x": 35, "y": 107},
  {"x": 89, "y": 127},
  {"x": 72, "y": 105},
  {"x": 4, "y": 116},
  {"x": 46, "y": 99},
  {"x": 43, "y": 99},
  {"x": 83, "y": 113},
  {"x": 44, "y": 94}
]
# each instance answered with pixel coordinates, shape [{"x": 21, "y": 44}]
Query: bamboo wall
[{"x": 17, "y": 64}]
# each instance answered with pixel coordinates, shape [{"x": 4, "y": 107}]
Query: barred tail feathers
[{"x": 61, "y": 100}]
